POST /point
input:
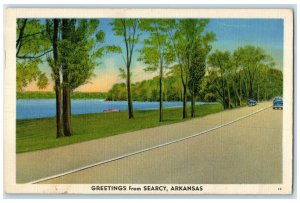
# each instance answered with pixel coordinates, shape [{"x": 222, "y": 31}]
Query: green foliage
[
  {"x": 42, "y": 81},
  {"x": 251, "y": 59},
  {"x": 32, "y": 39},
  {"x": 157, "y": 51},
  {"x": 198, "y": 63},
  {"x": 27, "y": 72},
  {"x": 147, "y": 90},
  {"x": 35, "y": 134},
  {"x": 32, "y": 43},
  {"x": 76, "y": 51},
  {"x": 247, "y": 73}
]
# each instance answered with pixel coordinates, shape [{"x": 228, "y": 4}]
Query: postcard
[{"x": 148, "y": 101}]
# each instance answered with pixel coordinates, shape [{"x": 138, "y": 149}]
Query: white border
[{"x": 10, "y": 91}]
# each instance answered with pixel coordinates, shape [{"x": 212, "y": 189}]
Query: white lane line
[{"x": 147, "y": 149}]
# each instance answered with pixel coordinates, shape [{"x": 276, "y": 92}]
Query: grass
[
  {"x": 36, "y": 134},
  {"x": 51, "y": 95}
]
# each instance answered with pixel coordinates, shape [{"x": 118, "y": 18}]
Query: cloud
[
  {"x": 232, "y": 25},
  {"x": 102, "y": 82},
  {"x": 140, "y": 74},
  {"x": 109, "y": 75}
]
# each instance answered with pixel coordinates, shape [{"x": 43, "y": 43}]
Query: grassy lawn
[{"x": 35, "y": 134}]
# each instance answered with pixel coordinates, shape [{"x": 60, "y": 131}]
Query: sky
[{"x": 230, "y": 34}]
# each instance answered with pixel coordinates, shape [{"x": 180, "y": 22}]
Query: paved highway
[{"x": 247, "y": 151}]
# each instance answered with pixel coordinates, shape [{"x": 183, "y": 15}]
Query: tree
[
  {"x": 198, "y": 66},
  {"x": 196, "y": 72},
  {"x": 251, "y": 59},
  {"x": 156, "y": 52},
  {"x": 183, "y": 34},
  {"x": 77, "y": 45},
  {"x": 56, "y": 74},
  {"x": 127, "y": 28},
  {"x": 221, "y": 61}
]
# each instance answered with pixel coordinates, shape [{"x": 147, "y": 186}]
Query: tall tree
[
  {"x": 56, "y": 73},
  {"x": 198, "y": 66},
  {"x": 128, "y": 30},
  {"x": 156, "y": 52},
  {"x": 80, "y": 48},
  {"x": 183, "y": 34},
  {"x": 221, "y": 61},
  {"x": 77, "y": 46},
  {"x": 251, "y": 59}
]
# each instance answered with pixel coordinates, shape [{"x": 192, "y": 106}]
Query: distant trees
[
  {"x": 146, "y": 90},
  {"x": 243, "y": 74}
]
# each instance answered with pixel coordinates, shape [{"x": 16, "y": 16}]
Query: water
[{"x": 42, "y": 108}]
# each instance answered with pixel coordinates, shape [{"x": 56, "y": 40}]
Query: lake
[{"x": 42, "y": 108}]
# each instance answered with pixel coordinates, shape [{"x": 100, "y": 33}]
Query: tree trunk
[
  {"x": 193, "y": 104},
  {"x": 240, "y": 88},
  {"x": 257, "y": 93},
  {"x": 223, "y": 92},
  {"x": 160, "y": 94},
  {"x": 184, "y": 111},
  {"x": 129, "y": 98},
  {"x": 66, "y": 31},
  {"x": 59, "y": 127},
  {"x": 265, "y": 95},
  {"x": 251, "y": 89},
  {"x": 229, "y": 98}
]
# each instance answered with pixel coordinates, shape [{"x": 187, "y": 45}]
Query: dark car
[
  {"x": 252, "y": 102},
  {"x": 278, "y": 103}
]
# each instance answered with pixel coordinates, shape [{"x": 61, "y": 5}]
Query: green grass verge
[
  {"x": 51, "y": 95},
  {"x": 36, "y": 134}
]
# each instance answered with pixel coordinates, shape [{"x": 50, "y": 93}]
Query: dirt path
[{"x": 40, "y": 164}]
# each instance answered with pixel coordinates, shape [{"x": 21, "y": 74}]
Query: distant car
[
  {"x": 278, "y": 103},
  {"x": 252, "y": 102}
]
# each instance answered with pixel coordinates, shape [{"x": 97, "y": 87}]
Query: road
[{"x": 247, "y": 151}]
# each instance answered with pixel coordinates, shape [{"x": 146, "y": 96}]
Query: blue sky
[
  {"x": 265, "y": 33},
  {"x": 230, "y": 34}
]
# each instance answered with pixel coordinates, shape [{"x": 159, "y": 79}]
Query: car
[
  {"x": 252, "y": 102},
  {"x": 278, "y": 103}
]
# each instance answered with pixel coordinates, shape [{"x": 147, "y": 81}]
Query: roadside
[
  {"x": 37, "y": 134},
  {"x": 40, "y": 164}
]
